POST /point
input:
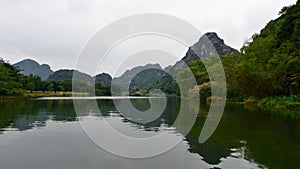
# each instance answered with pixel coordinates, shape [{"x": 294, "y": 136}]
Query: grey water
[{"x": 46, "y": 133}]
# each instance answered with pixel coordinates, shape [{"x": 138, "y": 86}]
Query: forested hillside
[{"x": 267, "y": 65}]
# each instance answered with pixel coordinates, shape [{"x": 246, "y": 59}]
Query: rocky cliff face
[{"x": 209, "y": 44}]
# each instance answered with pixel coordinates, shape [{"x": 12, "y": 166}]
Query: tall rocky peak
[
  {"x": 209, "y": 44},
  {"x": 219, "y": 44}
]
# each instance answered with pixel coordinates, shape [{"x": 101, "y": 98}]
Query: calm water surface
[{"x": 46, "y": 134}]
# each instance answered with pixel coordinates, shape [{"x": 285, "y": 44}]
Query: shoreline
[
  {"x": 39, "y": 94},
  {"x": 282, "y": 105}
]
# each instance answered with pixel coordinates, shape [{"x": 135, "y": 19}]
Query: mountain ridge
[
  {"x": 30, "y": 66},
  {"x": 140, "y": 76}
]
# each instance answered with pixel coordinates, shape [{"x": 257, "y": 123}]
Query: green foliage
[
  {"x": 285, "y": 106},
  {"x": 50, "y": 87},
  {"x": 144, "y": 78},
  {"x": 270, "y": 64},
  {"x": 205, "y": 91},
  {"x": 199, "y": 71},
  {"x": 291, "y": 102},
  {"x": 102, "y": 90},
  {"x": 136, "y": 91},
  {"x": 10, "y": 80},
  {"x": 32, "y": 83},
  {"x": 166, "y": 84}
]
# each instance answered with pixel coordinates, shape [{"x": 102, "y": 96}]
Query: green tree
[
  {"x": 50, "y": 87},
  {"x": 9, "y": 80}
]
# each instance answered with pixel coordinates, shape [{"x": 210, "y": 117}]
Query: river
[{"x": 46, "y": 133}]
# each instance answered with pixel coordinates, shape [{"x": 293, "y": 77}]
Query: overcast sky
[{"x": 54, "y": 31}]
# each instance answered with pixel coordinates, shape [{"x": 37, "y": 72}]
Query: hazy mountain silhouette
[{"x": 29, "y": 66}]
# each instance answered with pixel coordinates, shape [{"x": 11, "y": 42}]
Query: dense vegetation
[
  {"x": 268, "y": 64},
  {"x": 10, "y": 80}
]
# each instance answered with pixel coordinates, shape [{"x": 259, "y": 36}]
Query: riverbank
[
  {"x": 287, "y": 102},
  {"x": 287, "y": 106},
  {"x": 38, "y": 94}
]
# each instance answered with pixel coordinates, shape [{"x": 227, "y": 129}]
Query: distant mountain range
[
  {"x": 29, "y": 66},
  {"x": 65, "y": 74},
  {"x": 140, "y": 76}
]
